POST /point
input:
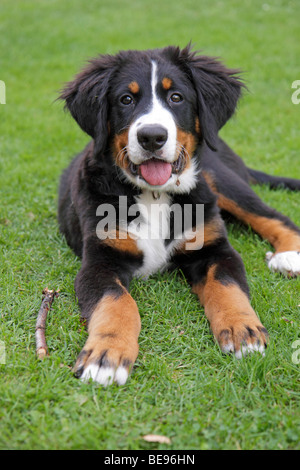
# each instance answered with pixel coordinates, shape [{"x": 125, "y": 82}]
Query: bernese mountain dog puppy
[{"x": 148, "y": 193}]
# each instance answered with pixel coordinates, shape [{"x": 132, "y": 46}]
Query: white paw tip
[
  {"x": 248, "y": 349},
  {"x": 287, "y": 262},
  {"x": 90, "y": 373},
  {"x": 121, "y": 375},
  {"x": 228, "y": 348},
  {"x": 105, "y": 375}
]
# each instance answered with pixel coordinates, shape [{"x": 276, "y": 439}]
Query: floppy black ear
[
  {"x": 218, "y": 90},
  {"x": 86, "y": 99}
]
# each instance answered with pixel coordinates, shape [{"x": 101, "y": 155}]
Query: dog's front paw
[
  {"x": 106, "y": 362},
  {"x": 242, "y": 336},
  {"x": 112, "y": 345},
  {"x": 287, "y": 262}
]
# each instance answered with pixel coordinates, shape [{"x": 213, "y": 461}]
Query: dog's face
[
  {"x": 154, "y": 125},
  {"x": 151, "y": 109}
]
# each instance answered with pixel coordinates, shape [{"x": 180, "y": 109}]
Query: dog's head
[{"x": 151, "y": 109}]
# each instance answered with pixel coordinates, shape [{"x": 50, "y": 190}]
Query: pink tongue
[{"x": 156, "y": 172}]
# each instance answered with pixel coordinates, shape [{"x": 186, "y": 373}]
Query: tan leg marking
[
  {"x": 279, "y": 235},
  {"x": 112, "y": 344},
  {"x": 276, "y": 232},
  {"x": 122, "y": 241},
  {"x": 213, "y": 230},
  {"x": 233, "y": 321}
]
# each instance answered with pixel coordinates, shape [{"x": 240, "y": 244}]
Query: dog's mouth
[{"x": 156, "y": 171}]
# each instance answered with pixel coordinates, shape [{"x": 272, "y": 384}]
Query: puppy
[{"x": 147, "y": 192}]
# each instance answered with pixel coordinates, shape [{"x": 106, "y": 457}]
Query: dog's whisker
[
  {"x": 182, "y": 152},
  {"x": 122, "y": 156},
  {"x": 125, "y": 128}
]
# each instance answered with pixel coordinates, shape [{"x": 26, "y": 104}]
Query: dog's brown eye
[
  {"x": 176, "y": 98},
  {"x": 126, "y": 99}
]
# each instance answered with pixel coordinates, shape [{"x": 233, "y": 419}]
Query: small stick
[{"x": 40, "y": 326}]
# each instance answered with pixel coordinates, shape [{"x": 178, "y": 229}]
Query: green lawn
[{"x": 182, "y": 386}]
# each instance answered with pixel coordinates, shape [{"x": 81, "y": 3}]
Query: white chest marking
[{"x": 151, "y": 229}]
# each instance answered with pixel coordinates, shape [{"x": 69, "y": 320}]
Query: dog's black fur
[{"x": 97, "y": 176}]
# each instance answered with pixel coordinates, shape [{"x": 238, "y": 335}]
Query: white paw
[
  {"x": 104, "y": 375},
  {"x": 245, "y": 349},
  {"x": 249, "y": 349},
  {"x": 287, "y": 262}
]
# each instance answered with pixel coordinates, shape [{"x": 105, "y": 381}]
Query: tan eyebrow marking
[
  {"x": 134, "y": 87},
  {"x": 166, "y": 83}
]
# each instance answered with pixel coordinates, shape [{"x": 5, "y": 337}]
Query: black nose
[{"x": 152, "y": 137}]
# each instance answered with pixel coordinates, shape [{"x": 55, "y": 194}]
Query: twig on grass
[{"x": 40, "y": 326}]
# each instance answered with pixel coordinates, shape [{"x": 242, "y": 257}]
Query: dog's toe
[
  {"x": 104, "y": 365},
  {"x": 242, "y": 340},
  {"x": 104, "y": 375}
]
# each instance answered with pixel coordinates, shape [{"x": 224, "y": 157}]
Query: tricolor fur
[{"x": 154, "y": 118}]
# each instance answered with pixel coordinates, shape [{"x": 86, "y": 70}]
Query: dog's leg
[
  {"x": 218, "y": 277},
  {"x": 236, "y": 197},
  {"x": 113, "y": 320},
  {"x": 233, "y": 321},
  {"x": 112, "y": 344}
]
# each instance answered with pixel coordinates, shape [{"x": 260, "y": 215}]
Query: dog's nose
[{"x": 152, "y": 137}]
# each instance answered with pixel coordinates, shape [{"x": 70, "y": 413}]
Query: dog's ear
[
  {"x": 86, "y": 99},
  {"x": 218, "y": 90}
]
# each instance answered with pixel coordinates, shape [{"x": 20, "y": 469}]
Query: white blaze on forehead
[{"x": 159, "y": 115}]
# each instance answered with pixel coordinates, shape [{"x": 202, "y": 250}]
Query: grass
[{"x": 182, "y": 386}]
